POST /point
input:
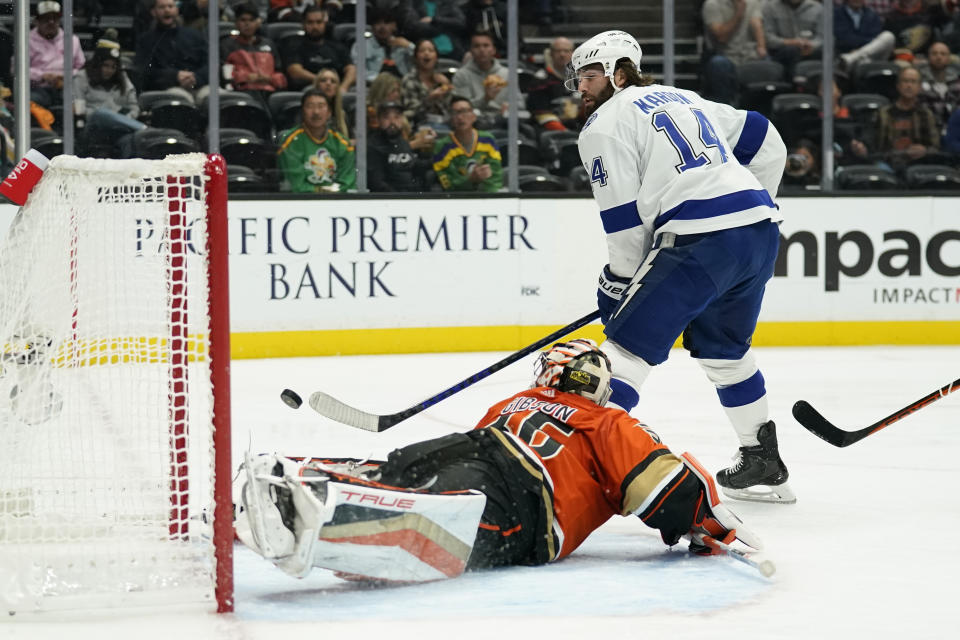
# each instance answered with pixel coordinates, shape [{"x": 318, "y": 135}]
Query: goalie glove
[
  {"x": 282, "y": 514},
  {"x": 712, "y": 520},
  {"x": 609, "y": 292}
]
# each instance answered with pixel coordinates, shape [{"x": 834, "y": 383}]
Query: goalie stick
[
  {"x": 753, "y": 559},
  {"x": 332, "y": 408},
  {"x": 815, "y": 423}
]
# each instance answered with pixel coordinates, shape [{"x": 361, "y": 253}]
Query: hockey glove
[
  {"x": 712, "y": 520},
  {"x": 609, "y": 292}
]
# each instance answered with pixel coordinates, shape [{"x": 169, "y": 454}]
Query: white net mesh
[{"x": 106, "y": 464}]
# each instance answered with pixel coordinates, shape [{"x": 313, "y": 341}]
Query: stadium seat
[
  {"x": 239, "y": 110},
  {"x": 932, "y": 177},
  {"x": 226, "y": 29},
  {"x": 243, "y": 148},
  {"x": 243, "y": 180},
  {"x": 864, "y": 106},
  {"x": 804, "y": 70},
  {"x": 155, "y": 144},
  {"x": 569, "y": 158},
  {"x": 865, "y": 177},
  {"x": 349, "y": 100},
  {"x": 528, "y": 170},
  {"x": 539, "y": 183},
  {"x": 173, "y": 112},
  {"x": 49, "y": 143},
  {"x": 277, "y": 31},
  {"x": 877, "y": 77},
  {"x": 579, "y": 180},
  {"x": 346, "y": 33},
  {"x": 147, "y": 99},
  {"x": 526, "y": 151},
  {"x": 795, "y": 113},
  {"x": 551, "y": 141},
  {"x": 285, "y": 108},
  {"x": 448, "y": 67},
  {"x": 760, "y": 81}
]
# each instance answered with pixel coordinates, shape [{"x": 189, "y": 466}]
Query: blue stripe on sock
[
  {"x": 623, "y": 395},
  {"x": 737, "y": 395}
]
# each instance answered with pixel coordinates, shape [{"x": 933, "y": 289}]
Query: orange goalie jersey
[{"x": 596, "y": 462}]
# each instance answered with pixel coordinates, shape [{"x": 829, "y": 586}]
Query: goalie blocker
[{"x": 541, "y": 470}]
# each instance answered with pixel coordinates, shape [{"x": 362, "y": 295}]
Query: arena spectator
[
  {"x": 848, "y": 145},
  {"x": 45, "y": 43},
  {"x": 488, "y": 16},
  {"x": 106, "y": 103},
  {"x": 392, "y": 164},
  {"x": 549, "y": 87},
  {"x": 6, "y": 56},
  {"x": 313, "y": 157},
  {"x": 793, "y": 30},
  {"x": 386, "y": 51},
  {"x": 913, "y": 23},
  {"x": 734, "y": 34},
  {"x": 906, "y": 130},
  {"x": 171, "y": 56},
  {"x": 803, "y": 165},
  {"x": 939, "y": 83},
  {"x": 194, "y": 13},
  {"x": 292, "y": 10},
  {"x": 442, "y": 21},
  {"x": 467, "y": 159},
  {"x": 384, "y": 88},
  {"x": 254, "y": 58},
  {"x": 328, "y": 82},
  {"x": 305, "y": 55},
  {"x": 951, "y": 139},
  {"x": 860, "y": 35},
  {"x": 483, "y": 80},
  {"x": 425, "y": 91},
  {"x": 880, "y": 7}
]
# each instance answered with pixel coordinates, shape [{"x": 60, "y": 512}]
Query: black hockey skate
[{"x": 759, "y": 474}]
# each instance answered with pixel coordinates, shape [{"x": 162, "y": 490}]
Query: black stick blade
[{"x": 815, "y": 423}]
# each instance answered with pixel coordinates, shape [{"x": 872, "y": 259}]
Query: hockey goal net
[{"x": 114, "y": 388}]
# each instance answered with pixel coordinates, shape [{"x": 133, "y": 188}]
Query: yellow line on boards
[{"x": 291, "y": 344}]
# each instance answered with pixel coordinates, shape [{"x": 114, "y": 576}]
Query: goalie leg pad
[
  {"x": 305, "y": 516},
  {"x": 386, "y": 533}
]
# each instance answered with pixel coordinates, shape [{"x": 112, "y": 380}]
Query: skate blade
[{"x": 780, "y": 493}]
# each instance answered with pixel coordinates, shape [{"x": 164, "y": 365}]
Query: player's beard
[{"x": 596, "y": 101}]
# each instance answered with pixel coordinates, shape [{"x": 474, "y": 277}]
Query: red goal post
[{"x": 115, "y": 389}]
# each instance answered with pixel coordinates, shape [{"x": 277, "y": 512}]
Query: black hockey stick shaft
[
  {"x": 334, "y": 409},
  {"x": 819, "y": 426}
]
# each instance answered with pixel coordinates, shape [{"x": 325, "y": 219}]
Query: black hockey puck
[{"x": 291, "y": 399}]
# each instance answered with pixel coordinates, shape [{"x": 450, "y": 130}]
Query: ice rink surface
[{"x": 869, "y": 549}]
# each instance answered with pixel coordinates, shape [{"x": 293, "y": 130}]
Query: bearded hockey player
[
  {"x": 685, "y": 188},
  {"x": 541, "y": 471}
]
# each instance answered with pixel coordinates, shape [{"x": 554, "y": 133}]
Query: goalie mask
[
  {"x": 576, "y": 367},
  {"x": 603, "y": 49}
]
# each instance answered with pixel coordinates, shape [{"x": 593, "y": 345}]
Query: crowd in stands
[
  {"x": 437, "y": 89},
  {"x": 896, "y": 97}
]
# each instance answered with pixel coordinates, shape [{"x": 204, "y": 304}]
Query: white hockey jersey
[{"x": 664, "y": 159}]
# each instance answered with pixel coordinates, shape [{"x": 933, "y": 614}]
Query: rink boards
[{"x": 349, "y": 276}]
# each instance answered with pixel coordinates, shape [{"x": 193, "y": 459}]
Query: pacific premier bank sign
[{"x": 354, "y": 264}]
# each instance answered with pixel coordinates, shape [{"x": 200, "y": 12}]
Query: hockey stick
[
  {"x": 764, "y": 566},
  {"x": 332, "y": 408},
  {"x": 819, "y": 426}
]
